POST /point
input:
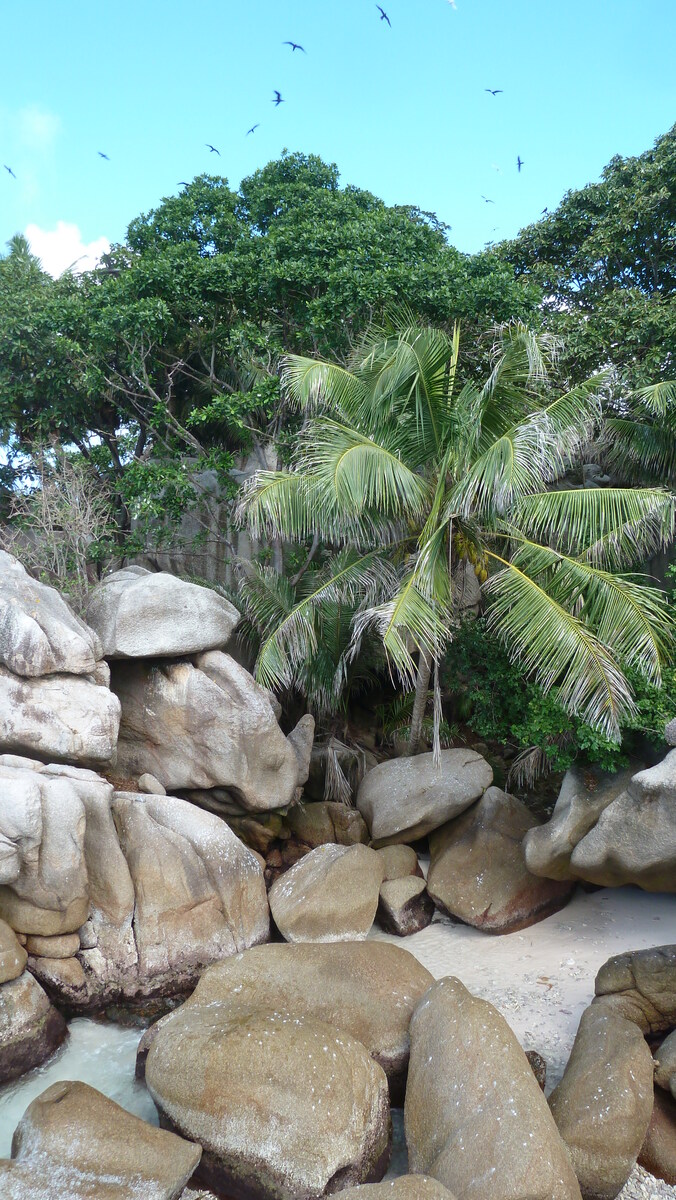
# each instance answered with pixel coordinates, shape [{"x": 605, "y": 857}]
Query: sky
[{"x": 401, "y": 108}]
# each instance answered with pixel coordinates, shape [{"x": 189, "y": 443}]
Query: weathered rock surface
[
  {"x": 63, "y": 718},
  {"x": 407, "y": 1187},
  {"x": 199, "y": 892},
  {"x": 634, "y": 840},
  {"x": 398, "y": 862},
  {"x": 39, "y": 634},
  {"x": 475, "y": 1117},
  {"x": 478, "y": 870},
  {"x": 148, "y": 783},
  {"x": 331, "y": 895},
  {"x": 585, "y": 793},
  {"x": 406, "y": 798},
  {"x": 205, "y": 724},
  {"x": 141, "y": 614},
  {"x": 603, "y": 1104},
  {"x": 367, "y": 989},
  {"x": 283, "y": 1107},
  {"x": 404, "y": 906},
  {"x": 641, "y": 986},
  {"x": 13, "y": 956},
  {"x": 658, "y": 1152},
  {"x": 120, "y": 895},
  {"x": 30, "y": 1029},
  {"x": 665, "y": 1057},
  {"x": 325, "y": 821},
  {"x": 72, "y": 1142}
]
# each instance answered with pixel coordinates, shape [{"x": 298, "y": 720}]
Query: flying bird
[
  {"x": 183, "y": 183},
  {"x": 212, "y": 149},
  {"x": 102, "y": 155},
  {"x": 487, "y": 200},
  {"x": 253, "y": 128},
  {"x": 494, "y": 91},
  {"x": 544, "y": 212},
  {"x": 295, "y": 46},
  {"x": 519, "y": 163},
  {"x": 10, "y": 170},
  {"x": 383, "y": 15},
  {"x": 278, "y": 99}
]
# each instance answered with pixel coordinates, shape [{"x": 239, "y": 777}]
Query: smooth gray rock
[
  {"x": 478, "y": 871},
  {"x": 634, "y": 840},
  {"x": 585, "y": 793},
  {"x": 331, "y": 895},
  {"x": 665, "y": 1057},
  {"x": 603, "y": 1104},
  {"x": 475, "y": 1116},
  {"x": 406, "y": 798},
  {"x": 13, "y": 956},
  {"x": 30, "y": 1028},
  {"x": 58, "y": 718},
  {"x": 73, "y": 1142},
  {"x": 641, "y": 986},
  {"x": 39, "y": 634},
  {"x": 407, "y": 1187},
  {"x": 140, "y": 614},
  {"x": 205, "y": 724},
  {"x": 282, "y": 1107},
  {"x": 151, "y": 785},
  {"x": 404, "y": 907}
]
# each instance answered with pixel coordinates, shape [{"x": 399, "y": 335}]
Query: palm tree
[{"x": 415, "y": 472}]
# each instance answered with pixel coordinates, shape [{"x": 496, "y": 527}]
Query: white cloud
[
  {"x": 37, "y": 128},
  {"x": 63, "y": 247}
]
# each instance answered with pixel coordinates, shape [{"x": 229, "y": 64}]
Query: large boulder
[
  {"x": 42, "y": 822},
  {"x": 658, "y": 1152},
  {"x": 407, "y": 1187},
  {"x": 204, "y": 724},
  {"x": 283, "y": 1107},
  {"x": 475, "y": 1117},
  {"x": 478, "y": 871},
  {"x": 63, "y": 718},
  {"x": 331, "y": 895},
  {"x": 199, "y": 892},
  {"x": 367, "y": 989},
  {"x": 30, "y": 1029},
  {"x": 634, "y": 840},
  {"x": 325, "y": 821},
  {"x": 603, "y": 1104},
  {"x": 140, "y": 614},
  {"x": 641, "y": 986},
  {"x": 406, "y": 798},
  {"x": 74, "y": 1142},
  {"x": 585, "y": 792},
  {"x": 665, "y": 1057},
  {"x": 39, "y": 635}
]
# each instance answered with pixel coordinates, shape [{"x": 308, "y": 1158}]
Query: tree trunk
[{"x": 422, "y": 685}]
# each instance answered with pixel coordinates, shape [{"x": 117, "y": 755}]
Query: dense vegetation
[{"x": 199, "y": 343}]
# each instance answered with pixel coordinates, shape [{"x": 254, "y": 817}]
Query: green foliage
[
  {"x": 606, "y": 264},
  {"x": 492, "y": 697},
  {"x": 399, "y": 459}
]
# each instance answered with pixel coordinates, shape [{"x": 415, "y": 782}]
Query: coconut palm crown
[{"x": 411, "y": 472}]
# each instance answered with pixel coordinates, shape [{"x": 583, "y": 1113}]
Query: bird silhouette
[
  {"x": 519, "y": 163},
  {"x": 383, "y": 15},
  {"x": 212, "y": 149},
  {"x": 487, "y": 200},
  {"x": 494, "y": 91},
  {"x": 544, "y": 212},
  {"x": 295, "y": 46},
  {"x": 278, "y": 99},
  {"x": 102, "y": 155},
  {"x": 10, "y": 170},
  {"x": 183, "y": 183},
  {"x": 253, "y": 128}
]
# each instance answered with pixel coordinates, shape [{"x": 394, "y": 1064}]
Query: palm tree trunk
[{"x": 422, "y": 685}]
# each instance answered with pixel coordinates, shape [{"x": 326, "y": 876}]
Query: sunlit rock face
[{"x": 120, "y": 895}]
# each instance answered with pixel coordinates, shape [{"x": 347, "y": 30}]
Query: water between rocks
[{"x": 541, "y": 979}]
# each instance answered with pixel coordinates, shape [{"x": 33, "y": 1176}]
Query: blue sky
[{"x": 401, "y": 110}]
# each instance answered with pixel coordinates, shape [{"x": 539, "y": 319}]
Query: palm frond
[
  {"x": 313, "y": 384},
  {"x": 613, "y": 527},
  {"x": 658, "y": 399},
  {"x": 406, "y": 622},
  {"x": 349, "y": 579},
  {"x": 557, "y": 648},
  {"x": 640, "y": 448},
  {"x": 277, "y": 504}
]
